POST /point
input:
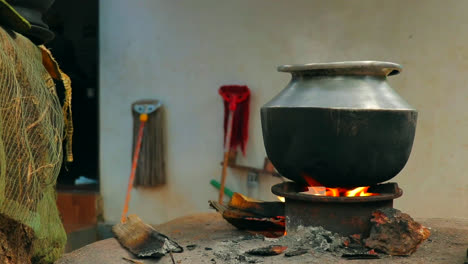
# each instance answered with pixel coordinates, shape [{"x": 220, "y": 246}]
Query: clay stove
[{"x": 343, "y": 215}]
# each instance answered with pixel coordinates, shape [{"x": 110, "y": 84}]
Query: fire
[
  {"x": 359, "y": 191},
  {"x": 281, "y": 198},
  {"x": 337, "y": 192},
  {"x": 316, "y": 189}
]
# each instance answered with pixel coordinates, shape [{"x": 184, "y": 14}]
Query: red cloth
[{"x": 237, "y": 99}]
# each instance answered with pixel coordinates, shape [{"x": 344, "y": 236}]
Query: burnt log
[
  {"x": 395, "y": 233},
  {"x": 297, "y": 252},
  {"x": 257, "y": 207},
  {"x": 272, "y": 250},
  {"x": 270, "y": 225}
]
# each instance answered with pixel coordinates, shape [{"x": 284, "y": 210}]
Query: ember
[
  {"x": 337, "y": 192},
  {"x": 315, "y": 188},
  {"x": 344, "y": 215}
]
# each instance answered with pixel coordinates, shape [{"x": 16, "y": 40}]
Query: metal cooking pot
[{"x": 339, "y": 124}]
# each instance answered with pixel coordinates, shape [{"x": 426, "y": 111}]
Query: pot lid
[{"x": 345, "y": 68}]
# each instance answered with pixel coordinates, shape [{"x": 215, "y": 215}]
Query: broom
[
  {"x": 139, "y": 238},
  {"x": 236, "y": 100},
  {"x": 151, "y": 168}
]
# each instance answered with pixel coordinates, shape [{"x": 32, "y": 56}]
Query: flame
[
  {"x": 337, "y": 192},
  {"x": 316, "y": 189},
  {"x": 359, "y": 191},
  {"x": 334, "y": 192},
  {"x": 281, "y": 198}
]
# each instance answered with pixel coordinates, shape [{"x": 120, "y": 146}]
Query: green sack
[{"x": 31, "y": 133}]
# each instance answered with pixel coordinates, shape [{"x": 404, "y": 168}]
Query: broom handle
[
  {"x": 227, "y": 147},
  {"x": 136, "y": 154}
]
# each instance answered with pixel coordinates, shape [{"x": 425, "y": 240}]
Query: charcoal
[
  {"x": 191, "y": 247},
  {"x": 356, "y": 238},
  {"x": 296, "y": 252},
  {"x": 360, "y": 256},
  {"x": 395, "y": 233},
  {"x": 271, "y": 250},
  {"x": 354, "y": 242}
]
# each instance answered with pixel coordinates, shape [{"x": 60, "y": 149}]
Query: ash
[
  {"x": 316, "y": 238},
  {"x": 233, "y": 251}
]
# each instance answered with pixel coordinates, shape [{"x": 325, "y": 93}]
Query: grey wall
[{"x": 181, "y": 51}]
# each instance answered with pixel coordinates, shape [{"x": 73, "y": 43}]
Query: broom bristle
[
  {"x": 142, "y": 239},
  {"x": 151, "y": 168}
]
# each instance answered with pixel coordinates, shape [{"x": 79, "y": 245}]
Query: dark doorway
[{"x": 75, "y": 47}]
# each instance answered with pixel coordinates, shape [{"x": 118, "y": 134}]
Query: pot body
[{"x": 340, "y": 124}]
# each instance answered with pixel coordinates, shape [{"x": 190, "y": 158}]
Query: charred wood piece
[
  {"x": 257, "y": 207},
  {"x": 360, "y": 256},
  {"x": 191, "y": 247},
  {"x": 395, "y": 233},
  {"x": 297, "y": 252},
  {"x": 272, "y": 250},
  {"x": 242, "y": 213}
]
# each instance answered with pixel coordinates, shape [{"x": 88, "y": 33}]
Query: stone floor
[{"x": 211, "y": 233}]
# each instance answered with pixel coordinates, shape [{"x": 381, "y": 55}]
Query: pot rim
[
  {"x": 292, "y": 190},
  {"x": 379, "y": 68}
]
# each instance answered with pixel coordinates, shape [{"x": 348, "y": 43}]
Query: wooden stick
[
  {"x": 132, "y": 260},
  {"x": 227, "y": 148},
  {"x": 172, "y": 257},
  {"x": 123, "y": 219}
]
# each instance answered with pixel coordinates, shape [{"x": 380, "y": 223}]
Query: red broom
[{"x": 236, "y": 123}]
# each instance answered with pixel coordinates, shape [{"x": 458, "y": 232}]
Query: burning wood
[
  {"x": 339, "y": 192},
  {"x": 392, "y": 232},
  {"x": 315, "y": 188},
  {"x": 395, "y": 233},
  {"x": 267, "y": 209}
]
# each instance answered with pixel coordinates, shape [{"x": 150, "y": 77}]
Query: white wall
[{"x": 181, "y": 51}]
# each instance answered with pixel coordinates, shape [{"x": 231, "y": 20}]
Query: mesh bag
[{"x": 31, "y": 131}]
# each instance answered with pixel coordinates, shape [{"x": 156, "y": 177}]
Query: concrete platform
[{"x": 447, "y": 244}]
